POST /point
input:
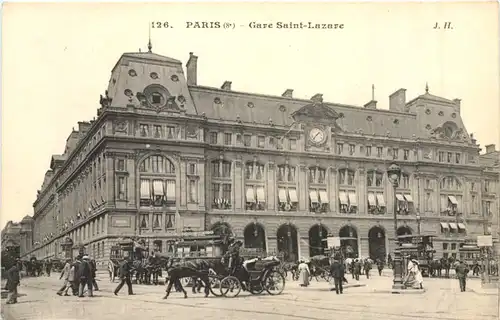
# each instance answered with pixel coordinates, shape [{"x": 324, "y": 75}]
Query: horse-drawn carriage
[
  {"x": 319, "y": 266},
  {"x": 419, "y": 247}
]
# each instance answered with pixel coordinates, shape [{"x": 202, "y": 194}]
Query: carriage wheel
[
  {"x": 185, "y": 282},
  {"x": 215, "y": 287},
  {"x": 230, "y": 287},
  {"x": 274, "y": 283}
]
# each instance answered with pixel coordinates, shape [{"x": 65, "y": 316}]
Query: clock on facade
[{"x": 317, "y": 135}]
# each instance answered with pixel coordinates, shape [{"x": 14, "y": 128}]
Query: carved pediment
[
  {"x": 316, "y": 112},
  {"x": 449, "y": 130}
]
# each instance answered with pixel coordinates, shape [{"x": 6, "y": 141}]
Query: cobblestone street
[{"x": 443, "y": 300}]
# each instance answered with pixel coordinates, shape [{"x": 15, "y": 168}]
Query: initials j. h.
[{"x": 446, "y": 25}]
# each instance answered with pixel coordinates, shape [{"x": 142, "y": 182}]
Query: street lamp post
[
  {"x": 417, "y": 214},
  {"x": 394, "y": 174}
]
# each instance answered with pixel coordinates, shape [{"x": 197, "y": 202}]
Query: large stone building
[{"x": 167, "y": 154}]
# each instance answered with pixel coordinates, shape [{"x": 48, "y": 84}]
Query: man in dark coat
[
  {"x": 367, "y": 267},
  {"x": 461, "y": 272},
  {"x": 337, "y": 271},
  {"x": 380, "y": 266},
  {"x": 13, "y": 280},
  {"x": 356, "y": 269},
  {"x": 85, "y": 276},
  {"x": 124, "y": 273}
]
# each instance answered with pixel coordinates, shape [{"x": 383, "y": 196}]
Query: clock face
[{"x": 317, "y": 135}]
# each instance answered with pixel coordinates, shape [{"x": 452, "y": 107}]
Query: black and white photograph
[{"x": 250, "y": 161}]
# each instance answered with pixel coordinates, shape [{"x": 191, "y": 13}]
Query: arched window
[
  {"x": 348, "y": 200},
  {"x": 404, "y": 181},
  {"x": 286, "y": 173},
  {"x": 317, "y": 175},
  {"x": 374, "y": 178},
  {"x": 221, "y": 169},
  {"x": 254, "y": 170},
  {"x": 287, "y": 191},
  {"x": 346, "y": 177},
  {"x": 221, "y": 184},
  {"x": 157, "y": 164},
  {"x": 157, "y": 188},
  {"x": 450, "y": 196}
]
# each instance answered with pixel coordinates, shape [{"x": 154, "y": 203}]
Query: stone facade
[{"x": 166, "y": 154}]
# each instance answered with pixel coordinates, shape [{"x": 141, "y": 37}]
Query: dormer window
[{"x": 156, "y": 98}]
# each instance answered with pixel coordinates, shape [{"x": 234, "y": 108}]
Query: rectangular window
[
  {"x": 238, "y": 139},
  {"x": 157, "y": 131},
  {"x": 216, "y": 194},
  {"x": 170, "y": 132},
  {"x": 144, "y": 221},
  {"x": 272, "y": 143},
  {"x": 441, "y": 156},
  {"x": 215, "y": 169},
  {"x": 395, "y": 153},
  {"x": 406, "y": 154},
  {"x": 453, "y": 246},
  {"x": 261, "y": 142},
  {"x": 226, "y": 194},
  {"x": 193, "y": 186},
  {"x": 352, "y": 149},
  {"x": 192, "y": 168},
  {"x": 157, "y": 221},
  {"x": 145, "y": 192},
  {"x": 293, "y": 144},
  {"x": 361, "y": 149},
  {"x": 368, "y": 151},
  {"x": 449, "y": 156},
  {"x": 445, "y": 246},
  {"x": 486, "y": 186},
  {"x": 213, "y": 137},
  {"x": 428, "y": 202},
  {"x": 457, "y": 157},
  {"x": 380, "y": 150},
  {"x": 473, "y": 204},
  {"x": 121, "y": 188},
  {"x": 144, "y": 130},
  {"x": 247, "y": 140},
  {"x": 121, "y": 165},
  {"x": 228, "y": 137},
  {"x": 340, "y": 148},
  {"x": 226, "y": 169},
  {"x": 158, "y": 193}
]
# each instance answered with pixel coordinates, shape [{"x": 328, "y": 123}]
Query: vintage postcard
[{"x": 250, "y": 161}]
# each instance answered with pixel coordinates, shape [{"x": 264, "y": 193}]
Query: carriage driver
[{"x": 233, "y": 253}]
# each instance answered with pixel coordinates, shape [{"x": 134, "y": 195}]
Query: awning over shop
[
  {"x": 323, "y": 196},
  {"x": 453, "y": 225},
  {"x": 292, "y": 193},
  {"x": 371, "y": 199},
  {"x": 461, "y": 226},
  {"x": 408, "y": 198},
  {"x": 313, "y": 195},
  {"x": 453, "y": 200},
  {"x": 400, "y": 197},
  {"x": 381, "y": 200},
  {"x": 343, "y": 198}
]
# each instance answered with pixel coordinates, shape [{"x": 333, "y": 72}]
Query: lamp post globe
[{"x": 394, "y": 174}]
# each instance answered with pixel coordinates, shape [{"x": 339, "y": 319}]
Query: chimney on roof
[
  {"x": 490, "y": 148},
  {"x": 371, "y": 105},
  {"x": 318, "y": 98},
  {"x": 457, "y": 105},
  {"x": 192, "y": 70},
  {"x": 397, "y": 100},
  {"x": 288, "y": 93},
  {"x": 226, "y": 85}
]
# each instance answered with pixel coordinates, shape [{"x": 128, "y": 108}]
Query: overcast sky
[{"x": 57, "y": 59}]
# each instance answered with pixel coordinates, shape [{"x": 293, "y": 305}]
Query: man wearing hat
[
  {"x": 85, "y": 276},
  {"x": 461, "y": 271},
  {"x": 233, "y": 254}
]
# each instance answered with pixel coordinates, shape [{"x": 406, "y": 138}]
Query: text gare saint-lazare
[{"x": 277, "y": 25}]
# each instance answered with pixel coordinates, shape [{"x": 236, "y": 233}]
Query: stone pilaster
[
  {"x": 361, "y": 192},
  {"x": 133, "y": 184},
  {"x": 302, "y": 189},
  {"x": 182, "y": 189},
  {"x": 201, "y": 184},
  {"x": 238, "y": 186},
  {"x": 271, "y": 186},
  {"x": 334, "y": 190}
]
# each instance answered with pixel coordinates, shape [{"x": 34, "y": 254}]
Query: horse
[{"x": 198, "y": 268}]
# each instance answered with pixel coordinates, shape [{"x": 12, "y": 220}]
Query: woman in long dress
[{"x": 304, "y": 273}]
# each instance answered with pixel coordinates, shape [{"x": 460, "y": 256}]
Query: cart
[
  {"x": 420, "y": 247},
  {"x": 117, "y": 253},
  {"x": 320, "y": 267}
]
